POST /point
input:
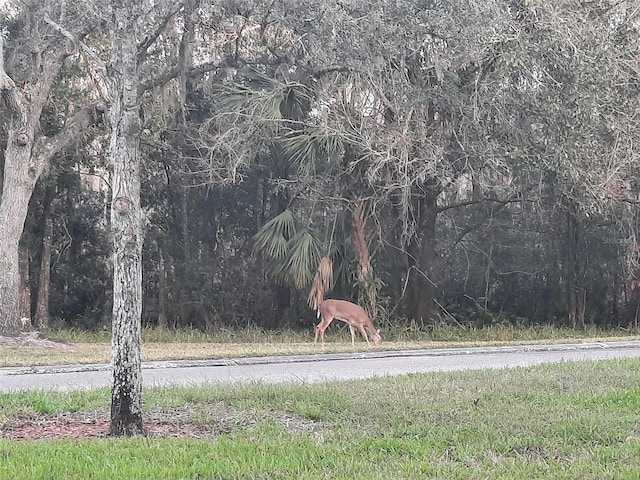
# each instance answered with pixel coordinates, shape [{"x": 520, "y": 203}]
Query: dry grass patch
[
  {"x": 83, "y": 353},
  {"x": 78, "y": 347},
  {"x": 49, "y": 352},
  {"x": 90, "y": 353},
  {"x": 195, "y": 351}
]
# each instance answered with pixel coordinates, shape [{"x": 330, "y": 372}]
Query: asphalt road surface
[{"x": 314, "y": 368}]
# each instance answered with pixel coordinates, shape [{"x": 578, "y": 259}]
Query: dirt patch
[
  {"x": 218, "y": 420},
  {"x": 32, "y": 339},
  {"x": 82, "y": 426},
  {"x": 82, "y": 429}
]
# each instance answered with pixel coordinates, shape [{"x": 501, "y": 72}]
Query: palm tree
[{"x": 324, "y": 153}]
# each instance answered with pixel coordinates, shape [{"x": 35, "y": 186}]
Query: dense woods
[{"x": 460, "y": 161}]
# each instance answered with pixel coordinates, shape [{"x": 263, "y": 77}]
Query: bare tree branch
[
  {"x": 149, "y": 40},
  {"x": 76, "y": 39},
  {"x": 174, "y": 71},
  {"x": 13, "y": 98},
  {"x": 630, "y": 201},
  {"x": 507, "y": 201},
  {"x": 46, "y": 147},
  {"x": 331, "y": 69},
  {"x": 471, "y": 228}
]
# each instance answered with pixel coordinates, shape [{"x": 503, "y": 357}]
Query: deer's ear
[{"x": 378, "y": 331}]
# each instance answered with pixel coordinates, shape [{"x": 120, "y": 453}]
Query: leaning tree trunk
[
  {"x": 19, "y": 182},
  {"x": 363, "y": 254},
  {"x": 25, "y": 159},
  {"x": 126, "y": 223}
]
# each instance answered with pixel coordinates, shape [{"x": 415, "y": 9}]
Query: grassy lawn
[{"x": 571, "y": 420}]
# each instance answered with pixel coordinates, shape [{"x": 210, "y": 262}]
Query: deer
[{"x": 354, "y": 315}]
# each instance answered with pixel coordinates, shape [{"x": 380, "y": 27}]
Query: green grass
[
  {"x": 188, "y": 335},
  {"x": 338, "y": 332},
  {"x": 501, "y": 333},
  {"x": 572, "y": 420}
]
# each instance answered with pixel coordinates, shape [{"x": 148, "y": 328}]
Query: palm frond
[
  {"x": 263, "y": 98},
  {"x": 307, "y": 147},
  {"x": 300, "y": 148},
  {"x": 256, "y": 80},
  {"x": 296, "y": 102},
  {"x": 272, "y": 240},
  {"x": 304, "y": 255}
]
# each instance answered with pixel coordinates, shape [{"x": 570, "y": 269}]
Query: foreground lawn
[{"x": 572, "y": 420}]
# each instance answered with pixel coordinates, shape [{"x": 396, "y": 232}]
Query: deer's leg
[
  {"x": 364, "y": 333},
  {"x": 327, "y": 322},
  {"x": 353, "y": 335},
  {"x": 320, "y": 328}
]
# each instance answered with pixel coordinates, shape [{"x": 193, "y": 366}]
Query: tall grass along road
[{"x": 315, "y": 368}]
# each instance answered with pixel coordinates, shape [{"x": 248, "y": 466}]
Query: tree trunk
[
  {"x": 361, "y": 247},
  {"x": 25, "y": 159},
  {"x": 280, "y": 202},
  {"x": 19, "y": 182},
  {"x": 44, "y": 278},
  {"x": 19, "y": 179},
  {"x": 575, "y": 293},
  {"x": 126, "y": 223},
  {"x": 162, "y": 290},
  {"x": 1, "y": 175},
  {"x": 25, "y": 288},
  {"x": 421, "y": 285}
]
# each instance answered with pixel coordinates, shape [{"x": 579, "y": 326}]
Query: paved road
[{"x": 314, "y": 368}]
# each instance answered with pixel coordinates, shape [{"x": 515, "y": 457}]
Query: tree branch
[
  {"x": 501, "y": 204},
  {"x": 46, "y": 147},
  {"x": 76, "y": 39},
  {"x": 629, "y": 200},
  {"x": 9, "y": 92},
  {"x": 147, "y": 42},
  {"x": 174, "y": 71},
  {"x": 475, "y": 202},
  {"x": 331, "y": 69}
]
